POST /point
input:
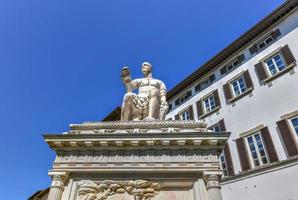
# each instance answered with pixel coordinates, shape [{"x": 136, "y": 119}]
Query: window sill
[
  {"x": 249, "y": 90},
  {"x": 211, "y": 112},
  {"x": 287, "y": 69}
]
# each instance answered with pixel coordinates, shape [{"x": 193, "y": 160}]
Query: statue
[{"x": 150, "y": 103}]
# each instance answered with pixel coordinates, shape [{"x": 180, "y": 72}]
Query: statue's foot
[{"x": 149, "y": 119}]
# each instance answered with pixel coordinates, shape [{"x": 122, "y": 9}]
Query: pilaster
[
  {"x": 57, "y": 186},
  {"x": 212, "y": 180}
]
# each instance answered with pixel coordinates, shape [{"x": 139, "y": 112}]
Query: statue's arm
[
  {"x": 163, "y": 101},
  {"x": 163, "y": 93},
  {"x": 126, "y": 78},
  {"x": 135, "y": 83}
]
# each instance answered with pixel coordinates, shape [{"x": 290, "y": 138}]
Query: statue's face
[{"x": 146, "y": 70}]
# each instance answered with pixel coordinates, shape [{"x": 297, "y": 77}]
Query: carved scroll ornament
[{"x": 140, "y": 189}]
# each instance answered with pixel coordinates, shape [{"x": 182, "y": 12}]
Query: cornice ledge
[{"x": 139, "y": 125}]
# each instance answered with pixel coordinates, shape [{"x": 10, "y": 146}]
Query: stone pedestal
[{"x": 163, "y": 160}]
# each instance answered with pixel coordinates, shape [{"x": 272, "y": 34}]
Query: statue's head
[{"x": 146, "y": 69}]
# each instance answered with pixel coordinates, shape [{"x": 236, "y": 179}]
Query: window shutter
[
  {"x": 287, "y": 54},
  {"x": 242, "y": 154},
  {"x": 223, "y": 70},
  {"x": 227, "y": 91},
  {"x": 177, "y": 117},
  {"x": 227, "y": 154},
  {"x": 261, "y": 71},
  {"x": 216, "y": 98},
  {"x": 222, "y": 125},
  {"x": 287, "y": 137},
  {"x": 241, "y": 58},
  {"x": 247, "y": 79},
  {"x": 199, "y": 108},
  {"x": 253, "y": 49},
  {"x": 190, "y": 110},
  {"x": 275, "y": 34},
  {"x": 269, "y": 145}
]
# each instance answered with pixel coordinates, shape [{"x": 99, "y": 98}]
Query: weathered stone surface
[{"x": 103, "y": 158}]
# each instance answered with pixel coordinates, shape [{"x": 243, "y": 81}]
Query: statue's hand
[
  {"x": 125, "y": 72},
  {"x": 164, "y": 104},
  {"x": 163, "y": 100}
]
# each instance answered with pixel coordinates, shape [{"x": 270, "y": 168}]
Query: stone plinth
[{"x": 137, "y": 160}]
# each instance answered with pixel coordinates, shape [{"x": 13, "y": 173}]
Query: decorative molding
[
  {"x": 140, "y": 189},
  {"x": 145, "y": 156},
  {"x": 138, "y": 125},
  {"x": 289, "y": 115},
  {"x": 251, "y": 131}
]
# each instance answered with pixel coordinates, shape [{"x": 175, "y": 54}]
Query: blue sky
[{"x": 60, "y": 63}]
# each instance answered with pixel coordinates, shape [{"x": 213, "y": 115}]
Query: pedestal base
[{"x": 138, "y": 160}]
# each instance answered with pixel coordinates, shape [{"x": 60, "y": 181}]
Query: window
[
  {"x": 232, "y": 65},
  {"x": 215, "y": 128},
  {"x": 223, "y": 164},
  {"x": 265, "y": 42},
  {"x": 170, "y": 106},
  {"x": 185, "y": 115},
  {"x": 209, "y": 104},
  {"x": 272, "y": 67},
  {"x": 183, "y": 98},
  {"x": 177, "y": 102},
  {"x": 239, "y": 86},
  {"x": 205, "y": 83},
  {"x": 257, "y": 150},
  {"x": 294, "y": 122},
  {"x": 275, "y": 64},
  {"x": 198, "y": 87}
]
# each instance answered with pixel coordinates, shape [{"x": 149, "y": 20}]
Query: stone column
[
  {"x": 212, "y": 180},
  {"x": 57, "y": 186}
]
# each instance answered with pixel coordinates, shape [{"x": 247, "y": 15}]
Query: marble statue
[{"x": 150, "y": 103}]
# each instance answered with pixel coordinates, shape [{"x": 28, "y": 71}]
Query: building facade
[{"x": 251, "y": 89}]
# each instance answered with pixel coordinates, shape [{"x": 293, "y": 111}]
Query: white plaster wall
[
  {"x": 265, "y": 106},
  {"x": 274, "y": 185}
]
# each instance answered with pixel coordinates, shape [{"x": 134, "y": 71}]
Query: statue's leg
[
  {"x": 153, "y": 104},
  {"x": 127, "y": 109}
]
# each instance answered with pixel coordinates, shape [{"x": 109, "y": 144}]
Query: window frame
[
  {"x": 209, "y": 102},
  {"x": 249, "y": 152},
  {"x": 292, "y": 128},
  {"x": 271, "y": 57},
  {"x": 238, "y": 85},
  {"x": 231, "y": 98},
  {"x": 202, "y": 104},
  {"x": 213, "y": 126},
  {"x": 182, "y": 112},
  {"x": 264, "y": 41}
]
